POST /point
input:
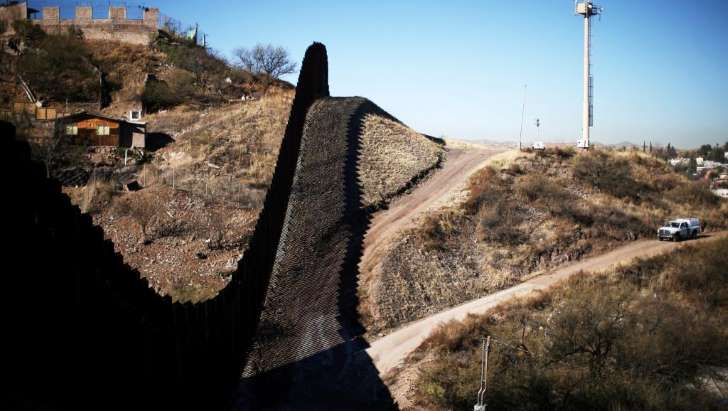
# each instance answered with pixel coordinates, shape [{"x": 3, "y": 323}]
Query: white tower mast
[{"x": 587, "y": 9}]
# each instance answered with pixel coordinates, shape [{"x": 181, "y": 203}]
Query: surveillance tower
[{"x": 587, "y": 9}]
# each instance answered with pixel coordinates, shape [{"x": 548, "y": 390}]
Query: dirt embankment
[
  {"x": 526, "y": 214},
  {"x": 441, "y": 188}
]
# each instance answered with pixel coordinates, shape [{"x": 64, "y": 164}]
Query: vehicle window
[
  {"x": 684, "y": 225},
  {"x": 676, "y": 225}
]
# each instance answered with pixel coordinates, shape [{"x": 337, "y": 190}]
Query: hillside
[
  {"x": 181, "y": 214},
  {"x": 645, "y": 336},
  {"x": 68, "y": 72},
  {"x": 526, "y": 213},
  {"x": 188, "y": 226}
]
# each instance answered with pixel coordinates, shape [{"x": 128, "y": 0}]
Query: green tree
[
  {"x": 705, "y": 150},
  {"x": 671, "y": 152}
]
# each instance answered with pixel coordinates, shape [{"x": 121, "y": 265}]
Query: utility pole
[
  {"x": 523, "y": 117},
  {"x": 481, "y": 405}
]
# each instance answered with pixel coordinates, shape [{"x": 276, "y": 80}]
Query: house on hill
[{"x": 101, "y": 130}]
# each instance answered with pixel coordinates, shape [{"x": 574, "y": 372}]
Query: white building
[{"x": 711, "y": 164}]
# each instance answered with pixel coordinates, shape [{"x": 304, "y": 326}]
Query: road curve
[
  {"x": 436, "y": 191},
  {"x": 391, "y": 350}
]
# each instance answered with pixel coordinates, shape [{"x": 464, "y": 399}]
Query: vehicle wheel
[
  {"x": 676, "y": 238},
  {"x": 695, "y": 234}
]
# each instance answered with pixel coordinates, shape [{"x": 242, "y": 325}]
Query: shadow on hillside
[{"x": 155, "y": 141}]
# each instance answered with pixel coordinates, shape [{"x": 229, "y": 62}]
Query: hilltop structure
[{"x": 117, "y": 26}]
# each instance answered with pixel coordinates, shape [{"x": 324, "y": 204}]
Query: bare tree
[
  {"x": 140, "y": 206},
  {"x": 50, "y": 149},
  {"x": 266, "y": 59}
]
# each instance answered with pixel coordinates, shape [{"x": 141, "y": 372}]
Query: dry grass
[
  {"x": 126, "y": 66},
  {"x": 241, "y": 138},
  {"x": 529, "y": 213},
  {"x": 392, "y": 155},
  {"x": 646, "y": 336}
]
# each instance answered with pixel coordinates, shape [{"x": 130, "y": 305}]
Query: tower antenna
[{"x": 587, "y": 9}]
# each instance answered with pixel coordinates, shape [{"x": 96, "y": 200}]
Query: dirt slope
[
  {"x": 391, "y": 350},
  {"x": 436, "y": 191}
]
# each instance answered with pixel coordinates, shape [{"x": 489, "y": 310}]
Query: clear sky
[{"x": 457, "y": 68}]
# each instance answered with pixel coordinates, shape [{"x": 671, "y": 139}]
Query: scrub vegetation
[
  {"x": 529, "y": 214},
  {"x": 648, "y": 336}
]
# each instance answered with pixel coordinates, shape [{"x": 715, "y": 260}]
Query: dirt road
[
  {"x": 436, "y": 191},
  {"x": 390, "y": 351}
]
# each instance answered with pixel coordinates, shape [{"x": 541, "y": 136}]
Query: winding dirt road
[
  {"x": 390, "y": 351},
  {"x": 439, "y": 189}
]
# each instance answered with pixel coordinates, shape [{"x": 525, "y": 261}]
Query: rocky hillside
[
  {"x": 527, "y": 213},
  {"x": 194, "y": 202},
  {"x": 200, "y": 195},
  {"x": 67, "y": 72}
]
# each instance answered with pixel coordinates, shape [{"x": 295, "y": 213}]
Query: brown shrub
[
  {"x": 497, "y": 213},
  {"x": 97, "y": 195},
  {"x": 139, "y": 206},
  {"x": 695, "y": 193},
  {"x": 608, "y": 174},
  {"x": 536, "y": 187},
  {"x": 439, "y": 229}
]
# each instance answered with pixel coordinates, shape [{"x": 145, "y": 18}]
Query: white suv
[{"x": 680, "y": 229}]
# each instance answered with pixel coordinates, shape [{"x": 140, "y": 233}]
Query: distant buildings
[
  {"x": 679, "y": 161},
  {"x": 706, "y": 165}
]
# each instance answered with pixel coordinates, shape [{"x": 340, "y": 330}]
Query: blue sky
[{"x": 457, "y": 68}]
